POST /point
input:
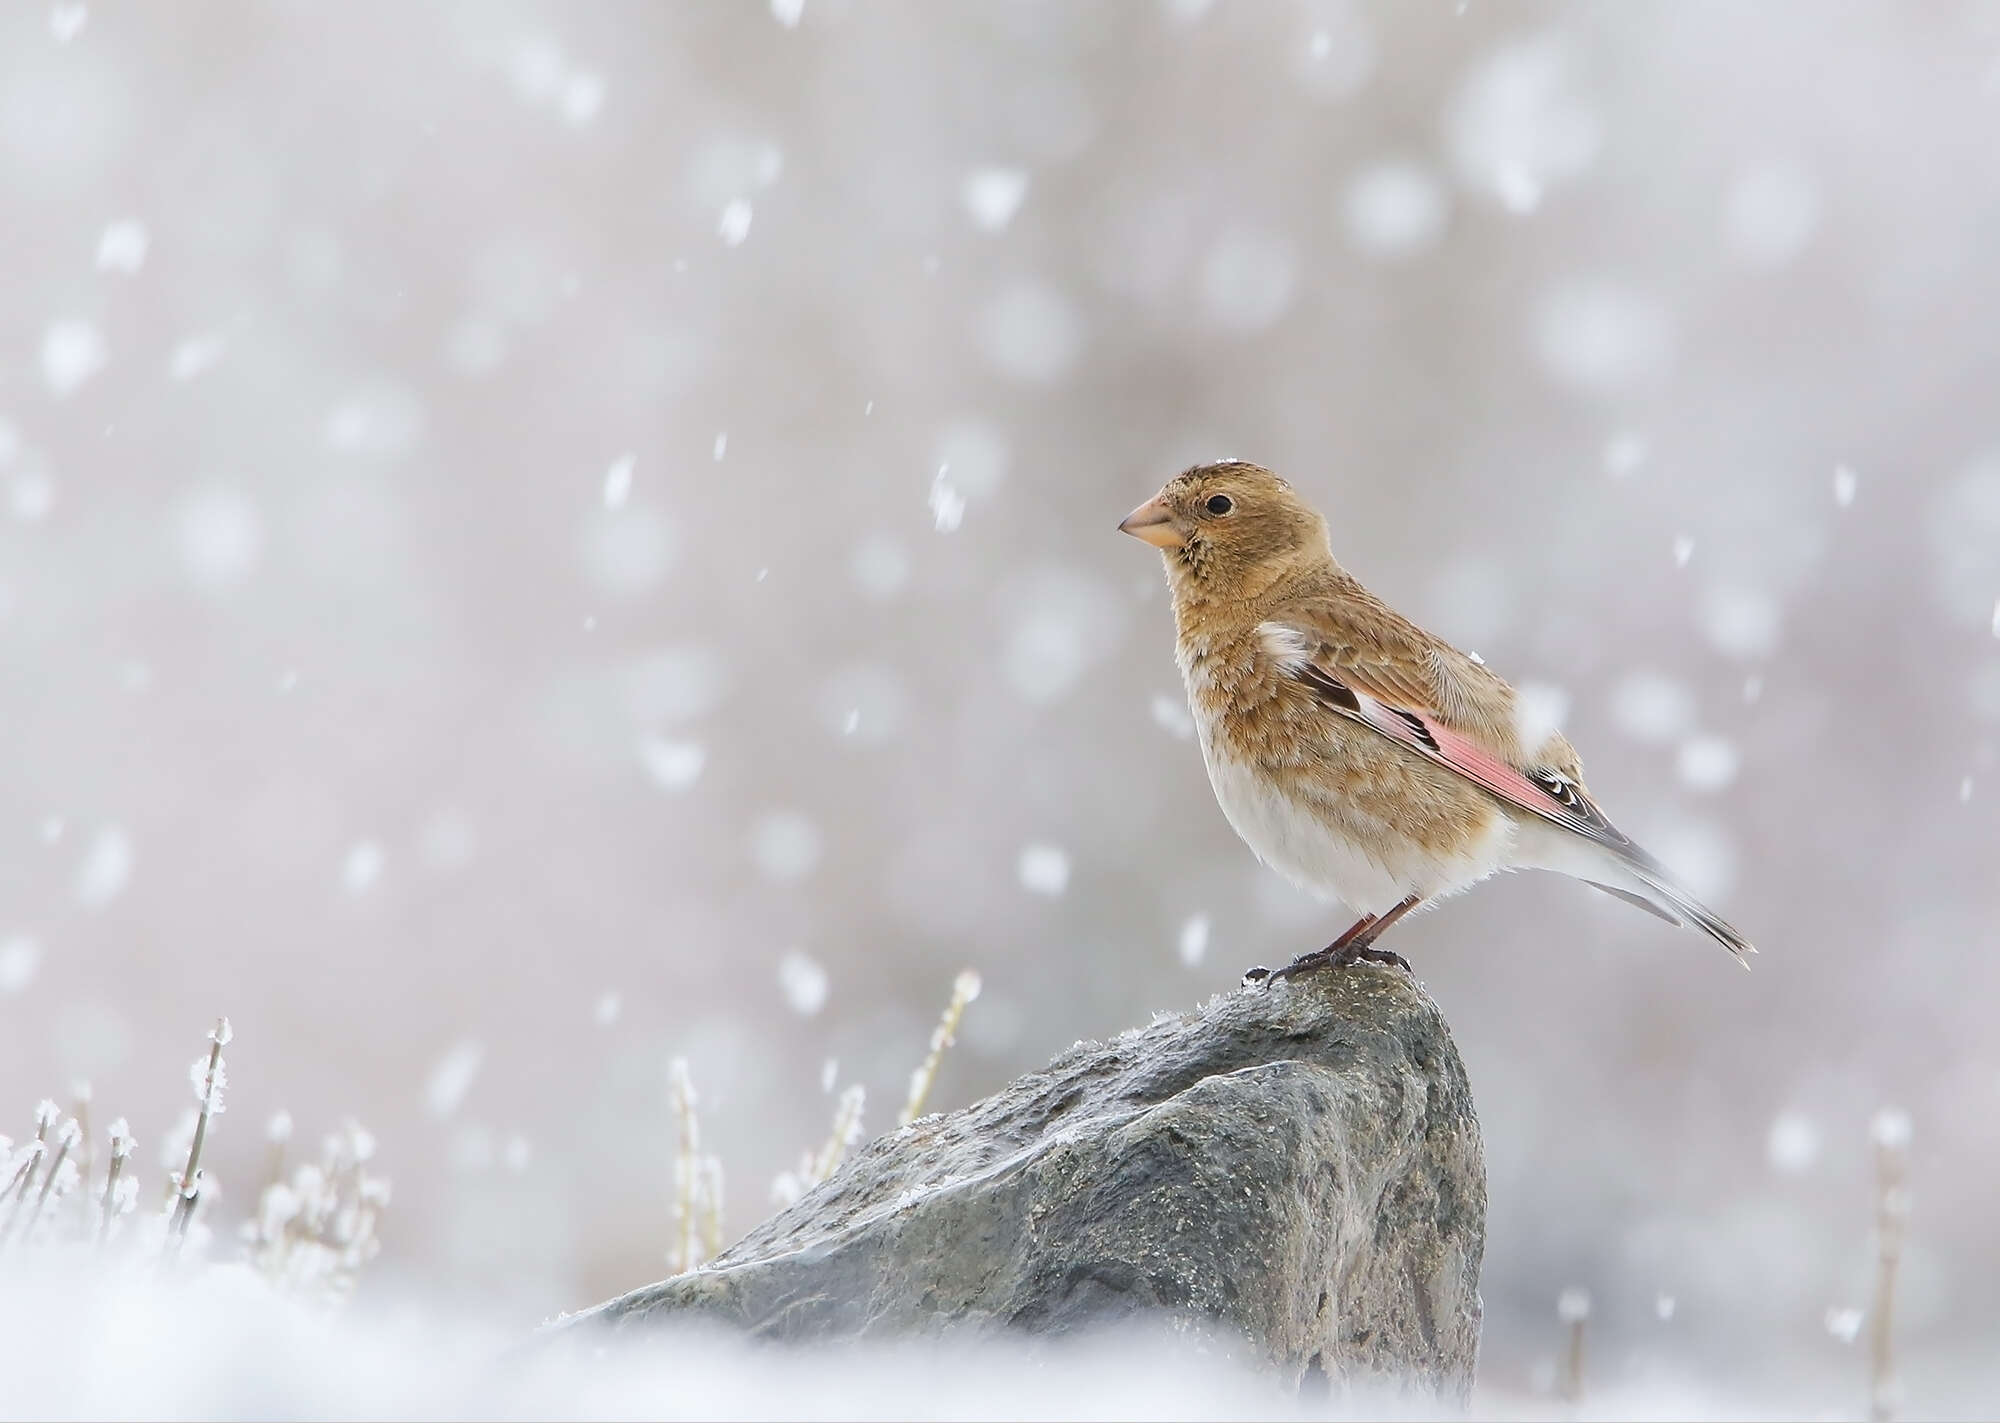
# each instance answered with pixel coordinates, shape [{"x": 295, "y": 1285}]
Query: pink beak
[{"x": 1151, "y": 522}]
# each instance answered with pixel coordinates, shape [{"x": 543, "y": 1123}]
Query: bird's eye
[{"x": 1219, "y": 504}]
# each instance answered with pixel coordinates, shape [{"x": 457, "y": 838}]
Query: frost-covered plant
[
  {"x": 315, "y": 1229},
  {"x": 697, "y": 1210},
  {"x": 697, "y": 1179},
  {"x": 312, "y": 1232},
  {"x": 964, "y": 989},
  {"x": 817, "y": 1166}
]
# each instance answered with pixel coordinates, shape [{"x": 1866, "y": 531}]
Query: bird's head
[{"x": 1230, "y": 529}]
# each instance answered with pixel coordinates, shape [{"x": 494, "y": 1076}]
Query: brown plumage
[{"x": 1354, "y": 752}]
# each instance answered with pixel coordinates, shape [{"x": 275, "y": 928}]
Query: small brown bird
[{"x": 1356, "y": 754}]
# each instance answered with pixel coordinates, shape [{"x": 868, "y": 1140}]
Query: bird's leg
[
  {"x": 1312, "y": 960},
  {"x": 1357, "y": 945}
]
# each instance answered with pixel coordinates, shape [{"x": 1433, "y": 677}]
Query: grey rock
[{"x": 1293, "y": 1170}]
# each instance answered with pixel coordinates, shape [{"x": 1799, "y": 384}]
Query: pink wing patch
[{"x": 1547, "y": 794}]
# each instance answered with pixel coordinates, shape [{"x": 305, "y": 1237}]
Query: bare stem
[
  {"x": 188, "y": 1188},
  {"x": 110, "y": 1207},
  {"x": 1892, "y": 1217},
  {"x": 49, "y": 1180},
  {"x": 1573, "y": 1309},
  {"x": 185, "y": 1208},
  {"x": 24, "y": 1176}
]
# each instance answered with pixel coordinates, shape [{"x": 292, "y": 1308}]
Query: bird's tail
[{"x": 1669, "y": 895}]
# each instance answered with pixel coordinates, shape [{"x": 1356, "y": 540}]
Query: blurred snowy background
[{"x": 536, "y": 538}]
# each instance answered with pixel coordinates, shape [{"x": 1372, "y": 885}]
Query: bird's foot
[{"x": 1340, "y": 956}]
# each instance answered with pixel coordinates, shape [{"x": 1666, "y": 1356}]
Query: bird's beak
[{"x": 1151, "y": 522}]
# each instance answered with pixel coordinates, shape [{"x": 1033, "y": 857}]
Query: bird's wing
[
  {"x": 1363, "y": 661},
  {"x": 1407, "y": 687}
]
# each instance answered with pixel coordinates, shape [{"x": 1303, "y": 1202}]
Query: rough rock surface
[{"x": 1293, "y": 1169}]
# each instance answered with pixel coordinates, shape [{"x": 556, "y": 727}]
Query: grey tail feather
[
  {"x": 1655, "y": 877},
  {"x": 1638, "y": 901}
]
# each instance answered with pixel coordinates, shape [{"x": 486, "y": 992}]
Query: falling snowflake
[
  {"x": 122, "y": 247},
  {"x": 618, "y": 481},
  {"x": 1170, "y": 714},
  {"x": 993, "y": 195},
  {"x": 1194, "y": 939},
  {"x": 947, "y": 504},
  {"x": 452, "y": 1077},
  {"x": 1044, "y": 869},
  {"x": 804, "y": 982}
]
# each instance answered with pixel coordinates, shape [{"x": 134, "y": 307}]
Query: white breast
[
  {"x": 1300, "y": 845},
  {"x": 1319, "y": 849}
]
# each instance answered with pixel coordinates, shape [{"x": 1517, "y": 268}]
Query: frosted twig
[
  {"x": 687, "y": 1150},
  {"x": 208, "y": 1084},
  {"x": 86, "y": 1161},
  {"x": 46, "y": 1114},
  {"x": 1891, "y": 1130},
  {"x": 846, "y": 1131},
  {"x": 964, "y": 989},
  {"x": 65, "y": 1140},
  {"x": 121, "y": 1151}
]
